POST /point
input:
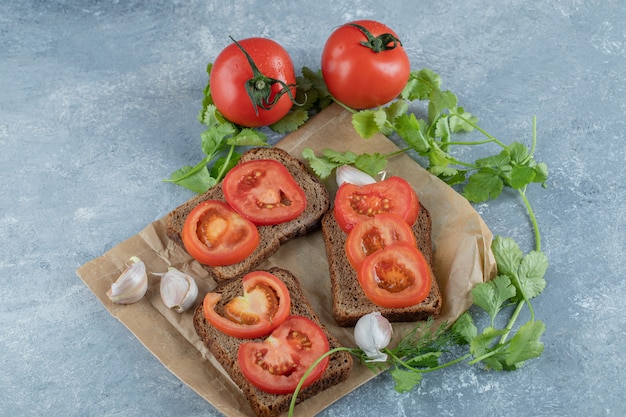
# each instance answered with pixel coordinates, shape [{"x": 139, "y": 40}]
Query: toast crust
[
  {"x": 349, "y": 300},
  {"x": 272, "y": 236},
  {"x": 224, "y": 348}
]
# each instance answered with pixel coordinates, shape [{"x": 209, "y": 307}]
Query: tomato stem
[
  {"x": 259, "y": 87},
  {"x": 380, "y": 43}
]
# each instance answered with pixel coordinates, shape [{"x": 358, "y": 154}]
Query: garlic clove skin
[
  {"x": 132, "y": 284},
  {"x": 178, "y": 290},
  {"x": 352, "y": 175},
  {"x": 372, "y": 333}
]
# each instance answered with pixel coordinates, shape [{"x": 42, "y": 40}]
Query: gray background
[{"x": 98, "y": 103}]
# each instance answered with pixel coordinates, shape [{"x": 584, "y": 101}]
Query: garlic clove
[
  {"x": 178, "y": 290},
  {"x": 131, "y": 285},
  {"x": 352, "y": 175},
  {"x": 372, "y": 333}
]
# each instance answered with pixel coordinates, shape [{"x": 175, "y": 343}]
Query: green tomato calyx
[
  {"x": 259, "y": 87},
  {"x": 380, "y": 43}
]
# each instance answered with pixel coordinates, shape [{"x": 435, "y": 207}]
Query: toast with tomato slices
[
  {"x": 225, "y": 349},
  {"x": 349, "y": 300},
  {"x": 270, "y": 236}
]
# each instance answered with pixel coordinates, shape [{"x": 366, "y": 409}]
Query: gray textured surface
[{"x": 98, "y": 103}]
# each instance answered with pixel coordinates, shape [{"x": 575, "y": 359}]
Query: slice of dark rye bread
[
  {"x": 224, "y": 348},
  {"x": 271, "y": 237},
  {"x": 349, "y": 301}
]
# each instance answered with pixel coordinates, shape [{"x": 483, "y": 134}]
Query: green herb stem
[
  {"x": 533, "y": 219},
  {"x": 402, "y": 362},
  {"x": 475, "y": 126},
  {"x": 306, "y": 374}
]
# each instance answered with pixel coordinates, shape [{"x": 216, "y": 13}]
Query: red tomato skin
[
  {"x": 243, "y": 231},
  {"x": 409, "y": 258},
  {"x": 277, "y": 345},
  {"x": 273, "y": 181},
  {"x": 404, "y": 201},
  {"x": 266, "y": 324},
  {"x": 359, "y": 77},
  {"x": 376, "y": 233},
  {"x": 231, "y": 70}
]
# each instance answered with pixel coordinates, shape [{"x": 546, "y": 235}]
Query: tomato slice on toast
[
  {"x": 264, "y": 305},
  {"x": 375, "y": 233},
  {"x": 277, "y": 364},
  {"x": 264, "y": 192},
  {"x": 396, "y": 276},
  {"x": 214, "y": 234},
  {"x": 354, "y": 203}
]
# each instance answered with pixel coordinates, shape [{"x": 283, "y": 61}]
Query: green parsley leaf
[
  {"x": 340, "y": 158},
  {"x": 291, "y": 122},
  {"x": 421, "y": 83},
  {"x": 525, "y": 344},
  {"x": 322, "y": 167},
  {"x": 464, "y": 329},
  {"x": 405, "y": 380},
  {"x": 481, "y": 344},
  {"x": 368, "y": 122},
  {"x": 192, "y": 178},
  {"x": 508, "y": 255},
  {"x": 371, "y": 164},
  {"x": 483, "y": 185},
  {"x": 530, "y": 274},
  {"x": 248, "y": 137},
  {"x": 413, "y": 131},
  {"x": 459, "y": 118},
  {"x": 439, "y": 102},
  {"x": 492, "y": 295}
]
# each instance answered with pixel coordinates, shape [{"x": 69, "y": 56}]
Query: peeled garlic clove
[
  {"x": 178, "y": 290},
  {"x": 352, "y": 175},
  {"x": 131, "y": 285}
]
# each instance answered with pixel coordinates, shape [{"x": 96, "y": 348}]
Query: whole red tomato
[
  {"x": 253, "y": 82},
  {"x": 364, "y": 64}
]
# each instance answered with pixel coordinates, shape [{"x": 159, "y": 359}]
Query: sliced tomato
[
  {"x": 277, "y": 364},
  {"x": 375, "y": 233},
  {"x": 264, "y": 192},
  {"x": 264, "y": 305},
  {"x": 354, "y": 203},
  {"x": 396, "y": 276},
  {"x": 214, "y": 234}
]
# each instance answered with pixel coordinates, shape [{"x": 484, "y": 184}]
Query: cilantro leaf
[
  {"x": 371, "y": 164},
  {"x": 530, "y": 274},
  {"x": 405, "y": 380},
  {"x": 464, "y": 329},
  {"x": 322, "y": 167},
  {"x": 461, "y": 121},
  {"x": 525, "y": 344},
  {"x": 291, "y": 122},
  {"x": 248, "y": 137},
  {"x": 483, "y": 185},
  {"x": 541, "y": 173},
  {"x": 195, "y": 179},
  {"x": 491, "y": 295},
  {"x": 439, "y": 102},
  {"x": 413, "y": 131},
  {"x": 340, "y": 158},
  {"x": 482, "y": 343},
  {"x": 421, "y": 83},
  {"x": 369, "y": 122},
  {"x": 508, "y": 255}
]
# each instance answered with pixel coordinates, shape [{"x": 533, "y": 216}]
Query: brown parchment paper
[{"x": 462, "y": 258}]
